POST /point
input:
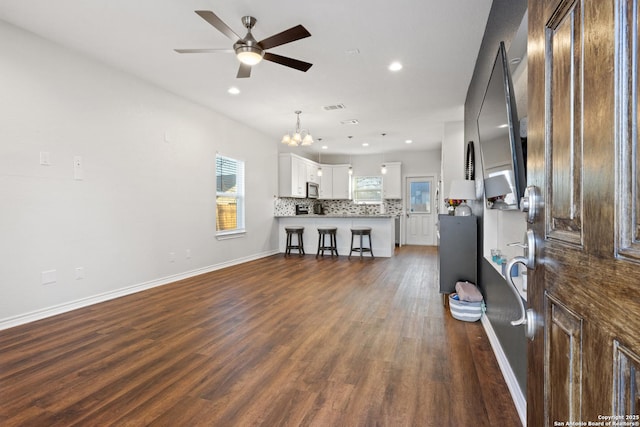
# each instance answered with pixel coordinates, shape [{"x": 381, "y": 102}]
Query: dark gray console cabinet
[{"x": 458, "y": 251}]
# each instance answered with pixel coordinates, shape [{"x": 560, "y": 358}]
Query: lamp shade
[
  {"x": 462, "y": 190},
  {"x": 496, "y": 186}
]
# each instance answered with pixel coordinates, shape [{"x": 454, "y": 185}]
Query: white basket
[{"x": 464, "y": 310}]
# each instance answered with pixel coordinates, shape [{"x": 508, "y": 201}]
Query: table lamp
[
  {"x": 463, "y": 190},
  {"x": 495, "y": 189}
]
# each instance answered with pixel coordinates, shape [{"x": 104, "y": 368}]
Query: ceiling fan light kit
[
  {"x": 249, "y": 55},
  {"x": 248, "y": 50}
]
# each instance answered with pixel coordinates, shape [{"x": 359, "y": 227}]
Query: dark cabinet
[{"x": 458, "y": 251}]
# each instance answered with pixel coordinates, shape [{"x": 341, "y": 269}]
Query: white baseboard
[
  {"x": 95, "y": 299},
  {"x": 509, "y": 377}
]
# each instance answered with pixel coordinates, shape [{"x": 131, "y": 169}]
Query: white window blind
[
  {"x": 229, "y": 195},
  {"x": 367, "y": 189}
]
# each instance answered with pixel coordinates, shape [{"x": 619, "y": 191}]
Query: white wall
[
  {"x": 453, "y": 152},
  {"x": 413, "y": 162},
  {"x": 148, "y": 188}
]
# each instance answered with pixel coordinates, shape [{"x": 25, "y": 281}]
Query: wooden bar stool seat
[
  {"x": 361, "y": 231},
  {"x": 299, "y": 246},
  {"x": 322, "y": 246}
]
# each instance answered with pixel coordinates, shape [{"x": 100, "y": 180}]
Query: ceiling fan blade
[
  {"x": 204, "y": 50},
  {"x": 287, "y": 62},
  {"x": 213, "y": 19},
  {"x": 287, "y": 36},
  {"x": 244, "y": 71}
]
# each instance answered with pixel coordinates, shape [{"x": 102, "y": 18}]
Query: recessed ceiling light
[
  {"x": 349, "y": 122},
  {"x": 365, "y": 144},
  {"x": 395, "y": 66},
  {"x": 408, "y": 141},
  {"x": 324, "y": 147},
  {"x": 234, "y": 90}
]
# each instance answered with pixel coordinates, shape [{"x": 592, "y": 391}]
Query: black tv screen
[{"x": 500, "y": 142}]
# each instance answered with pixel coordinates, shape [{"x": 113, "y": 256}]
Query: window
[
  {"x": 367, "y": 189},
  {"x": 420, "y": 196},
  {"x": 229, "y": 195}
]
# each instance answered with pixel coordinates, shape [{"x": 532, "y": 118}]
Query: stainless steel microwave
[{"x": 313, "y": 190}]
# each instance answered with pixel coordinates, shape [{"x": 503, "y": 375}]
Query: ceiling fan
[{"x": 249, "y": 51}]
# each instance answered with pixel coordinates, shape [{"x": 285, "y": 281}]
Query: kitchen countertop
[{"x": 338, "y": 216}]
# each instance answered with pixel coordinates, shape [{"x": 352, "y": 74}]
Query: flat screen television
[{"x": 501, "y": 148}]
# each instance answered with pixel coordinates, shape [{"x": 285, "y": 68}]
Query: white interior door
[{"x": 420, "y": 208}]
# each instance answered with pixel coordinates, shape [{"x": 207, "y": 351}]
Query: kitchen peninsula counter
[
  {"x": 338, "y": 216},
  {"x": 382, "y": 231}
]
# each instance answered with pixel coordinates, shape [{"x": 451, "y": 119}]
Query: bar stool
[
  {"x": 322, "y": 246},
  {"x": 300, "y": 245},
  {"x": 361, "y": 231}
]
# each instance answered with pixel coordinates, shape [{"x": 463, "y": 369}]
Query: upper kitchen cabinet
[
  {"x": 294, "y": 172},
  {"x": 292, "y": 176},
  {"x": 311, "y": 169},
  {"x": 334, "y": 182},
  {"x": 326, "y": 182},
  {"x": 392, "y": 181},
  {"x": 341, "y": 182}
]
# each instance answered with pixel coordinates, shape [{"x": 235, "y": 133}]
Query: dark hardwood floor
[{"x": 274, "y": 342}]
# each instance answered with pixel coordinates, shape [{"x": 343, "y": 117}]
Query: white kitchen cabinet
[
  {"x": 326, "y": 182},
  {"x": 292, "y": 176},
  {"x": 311, "y": 169},
  {"x": 294, "y": 172},
  {"x": 334, "y": 182},
  {"x": 392, "y": 181},
  {"x": 341, "y": 182}
]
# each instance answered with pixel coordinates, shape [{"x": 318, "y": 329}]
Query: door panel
[
  {"x": 564, "y": 367},
  {"x": 582, "y": 152},
  {"x": 564, "y": 34},
  {"x": 629, "y": 231},
  {"x": 627, "y": 381},
  {"x": 420, "y": 225}
]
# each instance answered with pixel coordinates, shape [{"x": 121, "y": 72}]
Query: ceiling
[{"x": 351, "y": 46}]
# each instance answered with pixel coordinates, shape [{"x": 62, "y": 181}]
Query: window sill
[{"x": 226, "y": 235}]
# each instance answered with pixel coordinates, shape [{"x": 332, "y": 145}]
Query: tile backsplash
[{"x": 284, "y": 206}]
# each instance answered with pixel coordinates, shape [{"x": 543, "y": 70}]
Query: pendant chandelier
[{"x": 299, "y": 136}]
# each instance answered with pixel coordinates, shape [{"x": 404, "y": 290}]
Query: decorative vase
[{"x": 451, "y": 210}]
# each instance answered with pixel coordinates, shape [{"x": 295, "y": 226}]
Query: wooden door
[{"x": 584, "y": 359}]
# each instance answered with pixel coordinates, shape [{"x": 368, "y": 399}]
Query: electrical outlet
[
  {"x": 188, "y": 253},
  {"x": 172, "y": 257},
  {"x": 79, "y": 273},
  {"x": 45, "y": 159},
  {"x": 49, "y": 277}
]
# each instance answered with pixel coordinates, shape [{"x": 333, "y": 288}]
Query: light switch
[
  {"x": 45, "y": 159},
  {"x": 79, "y": 273}
]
